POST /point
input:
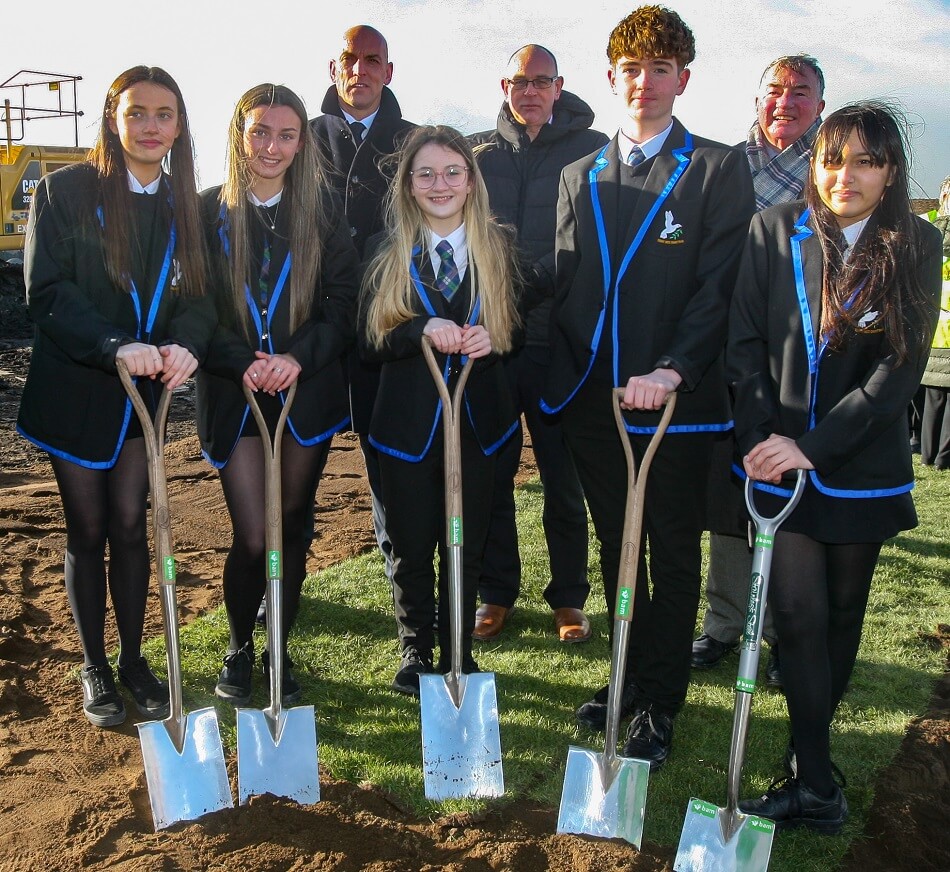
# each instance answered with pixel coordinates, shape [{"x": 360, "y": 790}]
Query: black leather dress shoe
[
  {"x": 791, "y": 803},
  {"x": 707, "y": 651},
  {"x": 593, "y": 713},
  {"x": 649, "y": 737},
  {"x": 773, "y": 669}
]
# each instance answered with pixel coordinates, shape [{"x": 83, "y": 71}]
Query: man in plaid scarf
[
  {"x": 788, "y": 107},
  {"x": 778, "y": 148}
]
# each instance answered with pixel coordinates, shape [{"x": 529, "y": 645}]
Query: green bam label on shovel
[
  {"x": 455, "y": 531},
  {"x": 273, "y": 564},
  {"x": 623, "y": 607},
  {"x": 168, "y": 567},
  {"x": 763, "y": 540}
]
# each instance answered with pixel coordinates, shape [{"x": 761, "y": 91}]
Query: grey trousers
[{"x": 727, "y": 589}]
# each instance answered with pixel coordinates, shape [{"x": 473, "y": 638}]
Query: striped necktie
[
  {"x": 447, "y": 281},
  {"x": 636, "y": 157},
  {"x": 357, "y": 128}
]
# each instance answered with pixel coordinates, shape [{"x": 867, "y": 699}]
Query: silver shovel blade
[
  {"x": 703, "y": 848},
  {"x": 601, "y": 801},
  {"x": 461, "y": 747},
  {"x": 184, "y": 786},
  {"x": 278, "y": 759}
]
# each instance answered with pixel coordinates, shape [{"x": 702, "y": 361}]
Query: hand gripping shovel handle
[
  {"x": 154, "y": 434},
  {"x": 629, "y": 560},
  {"x": 765, "y": 528},
  {"x": 451, "y": 422},
  {"x": 273, "y": 542}
]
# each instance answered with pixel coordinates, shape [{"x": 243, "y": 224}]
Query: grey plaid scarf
[{"x": 779, "y": 179}]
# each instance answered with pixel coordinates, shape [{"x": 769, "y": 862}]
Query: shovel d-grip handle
[
  {"x": 452, "y": 454},
  {"x": 154, "y": 434},
  {"x": 636, "y": 495},
  {"x": 273, "y": 540},
  {"x": 765, "y": 528}
]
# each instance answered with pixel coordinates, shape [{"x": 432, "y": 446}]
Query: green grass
[{"x": 346, "y": 653}]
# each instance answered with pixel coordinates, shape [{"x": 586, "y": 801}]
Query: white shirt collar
[
  {"x": 650, "y": 147},
  {"x": 367, "y": 122},
  {"x": 458, "y": 239},
  {"x": 851, "y": 234},
  {"x": 136, "y": 187},
  {"x": 273, "y": 201}
]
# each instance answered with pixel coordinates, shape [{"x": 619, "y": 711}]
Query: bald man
[
  {"x": 541, "y": 128},
  {"x": 362, "y": 122}
]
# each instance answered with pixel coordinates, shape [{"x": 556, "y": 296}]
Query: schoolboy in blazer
[{"x": 646, "y": 259}]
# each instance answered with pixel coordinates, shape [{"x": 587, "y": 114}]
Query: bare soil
[{"x": 74, "y": 797}]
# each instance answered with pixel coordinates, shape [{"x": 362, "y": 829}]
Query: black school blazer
[
  {"x": 320, "y": 408},
  {"x": 407, "y": 412},
  {"x": 672, "y": 301},
  {"x": 859, "y": 440},
  {"x": 73, "y": 404}
]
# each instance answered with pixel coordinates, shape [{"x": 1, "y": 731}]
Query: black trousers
[
  {"x": 414, "y": 498},
  {"x": 935, "y": 429},
  {"x": 564, "y": 517},
  {"x": 664, "y": 616}
]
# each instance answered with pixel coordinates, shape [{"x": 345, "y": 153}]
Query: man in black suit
[
  {"x": 648, "y": 240},
  {"x": 362, "y": 123}
]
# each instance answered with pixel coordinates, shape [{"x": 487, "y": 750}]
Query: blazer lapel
[
  {"x": 427, "y": 277},
  {"x": 813, "y": 271}
]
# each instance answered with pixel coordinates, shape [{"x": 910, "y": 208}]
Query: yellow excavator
[{"x": 30, "y": 95}]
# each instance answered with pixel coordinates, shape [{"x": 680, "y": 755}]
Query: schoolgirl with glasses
[{"x": 443, "y": 269}]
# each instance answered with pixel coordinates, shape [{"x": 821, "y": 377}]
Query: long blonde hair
[
  {"x": 388, "y": 294},
  {"x": 303, "y": 200}
]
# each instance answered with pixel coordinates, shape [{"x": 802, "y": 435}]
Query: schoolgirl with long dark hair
[
  {"x": 115, "y": 271},
  {"x": 285, "y": 277},
  {"x": 830, "y": 325}
]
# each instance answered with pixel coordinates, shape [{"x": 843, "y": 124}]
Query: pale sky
[{"x": 450, "y": 55}]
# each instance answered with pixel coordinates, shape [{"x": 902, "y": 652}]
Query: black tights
[
  {"x": 106, "y": 505},
  {"x": 245, "y": 574},
  {"x": 818, "y": 595}
]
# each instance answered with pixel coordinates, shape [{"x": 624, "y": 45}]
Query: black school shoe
[
  {"x": 649, "y": 736},
  {"x": 234, "y": 682},
  {"x": 792, "y": 803},
  {"x": 290, "y": 691},
  {"x": 593, "y": 713},
  {"x": 707, "y": 652},
  {"x": 150, "y": 693},
  {"x": 414, "y": 664},
  {"x": 101, "y": 703}
]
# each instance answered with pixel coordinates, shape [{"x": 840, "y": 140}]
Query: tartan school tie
[
  {"x": 636, "y": 157},
  {"x": 447, "y": 281}
]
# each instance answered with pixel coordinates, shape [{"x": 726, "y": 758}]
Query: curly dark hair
[{"x": 652, "y": 32}]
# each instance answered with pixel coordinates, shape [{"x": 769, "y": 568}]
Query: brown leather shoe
[
  {"x": 490, "y": 621},
  {"x": 572, "y": 625}
]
